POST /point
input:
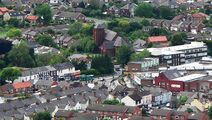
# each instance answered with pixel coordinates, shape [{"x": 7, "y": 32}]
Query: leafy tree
[
  {"x": 178, "y": 39},
  {"x": 166, "y": 12},
  {"x": 81, "y": 4},
  {"x": 13, "y": 33},
  {"x": 45, "y": 40},
  {"x": 14, "y": 22},
  {"x": 210, "y": 112},
  {"x": 90, "y": 72},
  {"x": 87, "y": 29},
  {"x": 75, "y": 28},
  {"x": 144, "y": 10},
  {"x": 10, "y": 73},
  {"x": 45, "y": 13},
  {"x": 123, "y": 55},
  {"x": 42, "y": 59},
  {"x": 209, "y": 45},
  {"x": 57, "y": 58},
  {"x": 112, "y": 102},
  {"x": 189, "y": 110},
  {"x": 183, "y": 99},
  {"x": 20, "y": 56},
  {"x": 42, "y": 116},
  {"x": 139, "y": 56},
  {"x": 103, "y": 64},
  {"x": 79, "y": 65},
  {"x": 94, "y": 4},
  {"x": 2, "y": 64},
  {"x": 145, "y": 22},
  {"x": 158, "y": 31},
  {"x": 138, "y": 34}
]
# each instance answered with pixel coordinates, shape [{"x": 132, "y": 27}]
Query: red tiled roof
[
  {"x": 199, "y": 15},
  {"x": 32, "y": 17},
  {"x": 4, "y": 9},
  {"x": 20, "y": 85},
  {"x": 157, "y": 39}
]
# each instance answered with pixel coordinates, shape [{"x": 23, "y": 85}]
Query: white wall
[{"x": 128, "y": 101}]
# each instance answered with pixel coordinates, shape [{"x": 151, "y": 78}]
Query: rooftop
[
  {"x": 174, "y": 49},
  {"x": 190, "y": 77}
]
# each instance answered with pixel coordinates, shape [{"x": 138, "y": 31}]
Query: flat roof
[
  {"x": 190, "y": 77},
  {"x": 174, "y": 49}
]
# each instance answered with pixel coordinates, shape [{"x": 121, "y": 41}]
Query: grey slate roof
[
  {"x": 111, "y": 108},
  {"x": 62, "y": 66},
  {"x": 110, "y": 35},
  {"x": 171, "y": 74},
  {"x": 160, "y": 112},
  {"x": 37, "y": 70}
]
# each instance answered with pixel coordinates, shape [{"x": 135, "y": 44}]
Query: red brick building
[
  {"x": 172, "y": 80},
  {"x": 164, "y": 114},
  {"x": 116, "y": 112}
]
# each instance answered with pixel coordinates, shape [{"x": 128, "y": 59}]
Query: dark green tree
[
  {"x": 123, "y": 55},
  {"x": 45, "y": 13},
  {"x": 112, "y": 102},
  {"x": 145, "y": 22},
  {"x": 166, "y": 12},
  {"x": 144, "y": 10},
  {"x": 183, "y": 99},
  {"x": 158, "y": 31},
  {"x": 42, "y": 116},
  {"x": 14, "y": 22},
  {"x": 75, "y": 28},
  {"x": 2, "y": 64},
  {"x": 45, "y": 40},
  {"x": 10, "y": 73},
  {"x": 210, "y": 112},
  {"x": 189, "y": 110},
  {"x": 20, "y": 56},
  {"x": 102, "y": 64},
  {"x": 178, "y": 39},
  {"x": 209, "y": 45},
  {"x": 79, "y": 65}
]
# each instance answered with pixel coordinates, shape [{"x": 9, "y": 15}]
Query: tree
[
  {"x": 57, "y": 58},
  {"x": 166, "y": 12},
  {"x": 139, "y": 56},
  {"x": 102, "y": 64},
  {"x": 87, "y": 29},
  {"x": 42, "y": 59},
  {"x": 14, "y": 22},
  {"x": 112, "y": 102},
  {"x": 189, "y": 110},
  {"x": 145, "y": 22},
  {"x": 123, "y": 55},
  {"x": 10, "y": 73},
  {"x": 79, "y": 65},
  {"x": 178, "y": 39},
  {"x": 14, "y": 33},
  {"x": 183, "y": 99},
  {"x": 209, "y": 45},
  {"x": 144, "y": 10},
  {"x": 2, "y": 64},
  {"x": 158, "y": 31},
  {"x": 45, "y": 13},
  {"x": 20, "y": 56},
  {"x": 45, "y": 40},
  {"x": 42, "y": 116},
  {"x": 210, "y": 112},
  {"x": 75, "y": 28}
]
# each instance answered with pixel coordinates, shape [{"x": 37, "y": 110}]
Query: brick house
[
  {"x": 22, "y": 86},
  {"x": 174, "y": 81},
  {"x": 196, "y": 27},
  {"x": 199, "y": 16},
  {"x": 158, "y": 40},
  {"x": 116, "y": 112},
  {"x": 157, "y": 23},
  {"x": 107, "y": 40},
  {"x": 128, "y": 10}
]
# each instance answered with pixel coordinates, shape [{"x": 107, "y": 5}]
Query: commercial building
[
  {"x": 174, "y": 81},
  {"x": 176, "y": 55}
]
